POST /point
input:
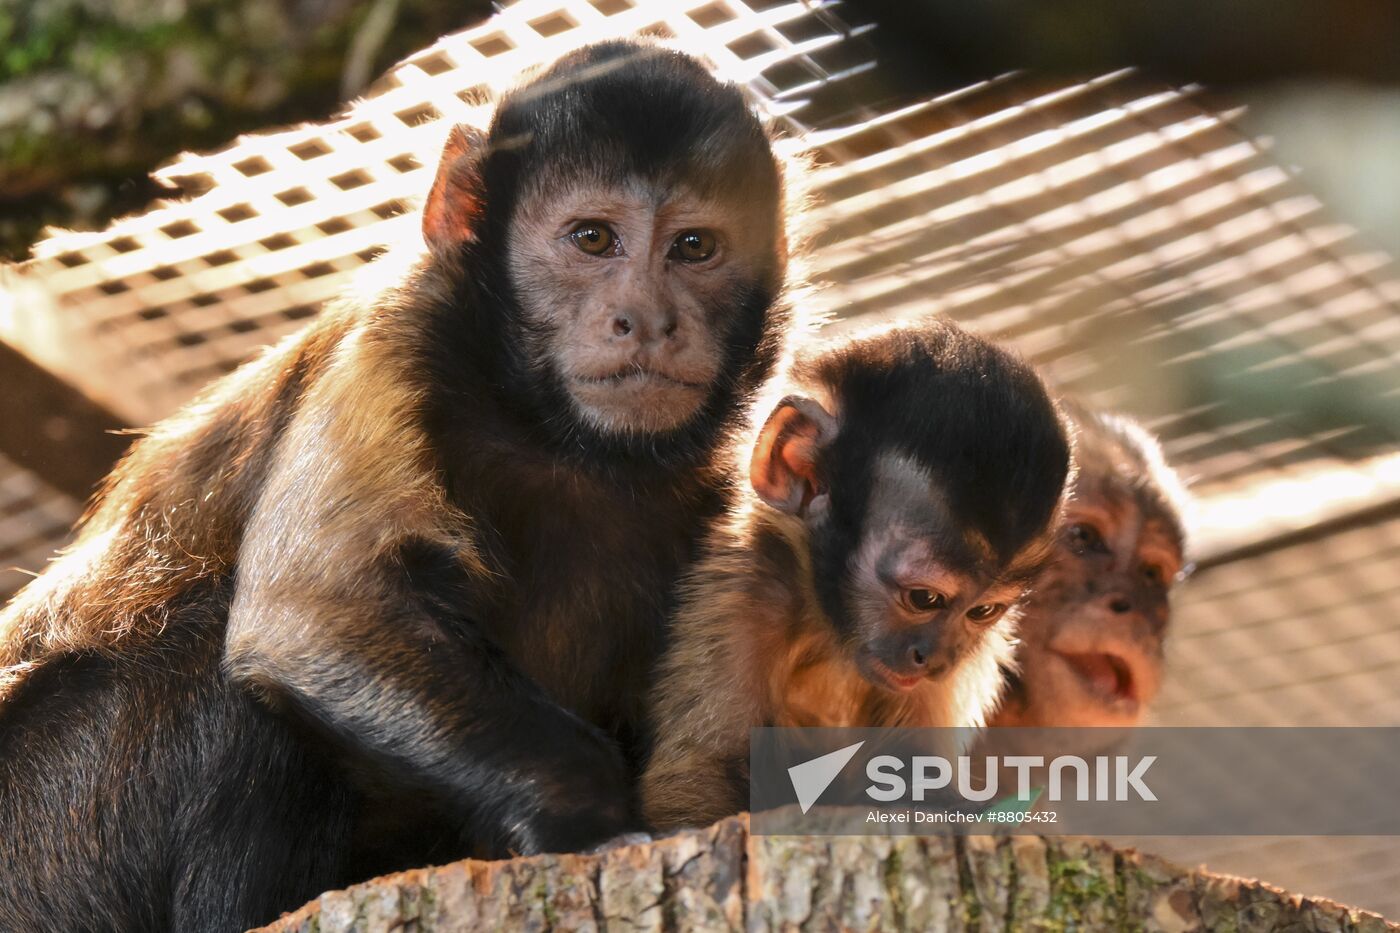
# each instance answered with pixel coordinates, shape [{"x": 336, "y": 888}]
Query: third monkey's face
[
  {"x": 1092, "y": 633},
  {"x": 637, "y": 296}
]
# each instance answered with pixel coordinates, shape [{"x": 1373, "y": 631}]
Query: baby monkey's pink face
[
  {"x": 926, "y": 593},
  {"x": 1091, "y": 651}
]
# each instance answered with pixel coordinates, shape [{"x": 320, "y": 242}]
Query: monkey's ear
[
  {"x": 783, "y": 470},
  {"x": 455, "y": 202}
]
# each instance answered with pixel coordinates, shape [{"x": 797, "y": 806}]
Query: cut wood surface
[{"x": 723, "y": 878}]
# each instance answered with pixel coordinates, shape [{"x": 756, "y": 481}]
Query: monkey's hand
[
  {"x": 451, "y": 717},
  {"x": 425, "y": 709}
]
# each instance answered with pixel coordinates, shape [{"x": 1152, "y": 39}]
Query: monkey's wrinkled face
[
  {"x": 632, "y": 295},
  {"x": 1092, "y": 633},
  {"x": 924, "y": 594}
]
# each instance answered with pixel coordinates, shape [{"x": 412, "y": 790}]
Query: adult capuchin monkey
[
  {"x": 420, "y": 555},
  {"x": 1091, "y": 637}
]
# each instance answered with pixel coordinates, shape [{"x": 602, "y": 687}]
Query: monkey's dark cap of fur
[
  {"x": 975, "y": 416},
  {"x": 618, "y": 110},
  {"x": 1118, "y": 457}
]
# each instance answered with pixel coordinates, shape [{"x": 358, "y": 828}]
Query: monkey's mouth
[
  {"x": 882, "y": 675},
  {"x": 1106, "y": 676},
  {"x": 636, "y": 375},
  {"x": 637, "y": 398}
]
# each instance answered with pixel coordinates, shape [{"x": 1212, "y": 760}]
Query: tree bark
[{"x": 723, "y": 878}]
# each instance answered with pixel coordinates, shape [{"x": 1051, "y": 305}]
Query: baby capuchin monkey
[
  {"x": 902, "y": 499},
  {"x": 1091, "y": 635}
]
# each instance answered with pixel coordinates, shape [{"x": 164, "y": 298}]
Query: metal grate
[
  {"x": 1308, "y": 635},
  {"x": 1141, "y": 250}
]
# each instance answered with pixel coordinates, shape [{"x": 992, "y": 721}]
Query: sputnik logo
[{"x": 811, "y": 778}]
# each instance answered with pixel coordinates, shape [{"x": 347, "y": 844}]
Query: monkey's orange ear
[
  {"x": 783, "y": 470},
  {"x": 455, "y": 202}
]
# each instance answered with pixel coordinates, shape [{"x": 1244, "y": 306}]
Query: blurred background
[{"x": 1187, "y": 210}]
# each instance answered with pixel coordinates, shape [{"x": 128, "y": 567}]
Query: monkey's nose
[
  {"x": 643, "y": 328},
  {"x": 1120, "y": 604},
  {"x": 922, "y": 660},
  {"x": 922, "y": 649}
]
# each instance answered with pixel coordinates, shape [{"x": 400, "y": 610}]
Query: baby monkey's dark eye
[
  {"x": 1084, "y": 537},
  {"x": 1154, "y": 574},
  {"x": 594, "y": 238},
  {"x": 988, "y": 612},
  {"x": 919, "y": 600},
  {"x": 694, "y": 246}
]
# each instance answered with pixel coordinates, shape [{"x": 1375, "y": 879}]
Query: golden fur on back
[{"x": 174, "y": 512}]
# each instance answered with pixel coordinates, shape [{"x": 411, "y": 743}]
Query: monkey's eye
[
  {"x": 595, "y": 239},
  {"x": 1154, "y": 574},
  {"x": 1084, "y": 538},
  {"x": 988, "y": 612},
  {"x": 920, "y": 600},
  {"x": 694, "y": 246}
]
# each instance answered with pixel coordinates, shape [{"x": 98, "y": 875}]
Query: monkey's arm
[
  {"x": 705, "y": 701},
  {"x": 346, "y": 610}
]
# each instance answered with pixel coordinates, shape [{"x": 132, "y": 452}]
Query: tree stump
[{"x": 723, "y": 878}]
